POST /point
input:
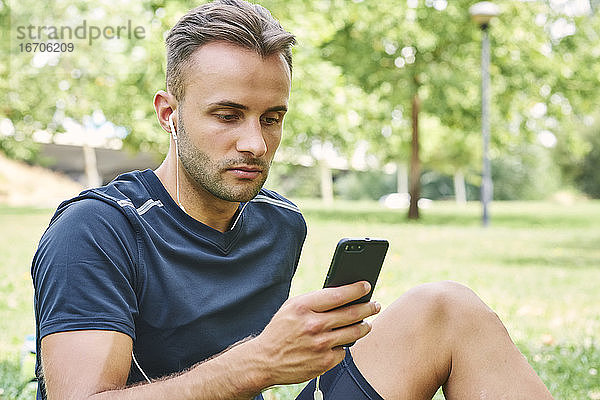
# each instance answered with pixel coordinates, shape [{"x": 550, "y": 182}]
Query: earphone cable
[
  {"x": 140, "y": 368},
  {"x": 318, "y": 395},
  {"x": 177, "y": 177}
]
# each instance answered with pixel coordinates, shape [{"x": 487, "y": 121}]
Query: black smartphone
[{"x": 357, "y": 260}]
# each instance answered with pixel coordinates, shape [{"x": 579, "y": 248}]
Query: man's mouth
[{"x": 246, "y": 171}]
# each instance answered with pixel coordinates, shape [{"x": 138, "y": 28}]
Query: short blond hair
[{"x": 250, "y": 26}]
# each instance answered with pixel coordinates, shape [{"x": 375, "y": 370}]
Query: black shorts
[{"x": 342, "y": 382}]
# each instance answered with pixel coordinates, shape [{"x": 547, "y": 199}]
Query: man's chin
[{"x": 242, "y": 195}]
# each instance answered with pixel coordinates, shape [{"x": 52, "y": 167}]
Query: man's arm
[
  {"x": 301, "y": 341},
  {"x": 95, "y": 365}
]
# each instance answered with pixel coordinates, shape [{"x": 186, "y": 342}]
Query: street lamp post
[{"x": 482, "y": 13}]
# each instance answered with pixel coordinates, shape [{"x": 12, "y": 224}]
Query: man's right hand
[{"x": 305, "y": 336}]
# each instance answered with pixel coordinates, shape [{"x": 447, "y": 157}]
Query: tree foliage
[
  {"x": 358, "y": 65},
  {"x": 587, "y": 171}
]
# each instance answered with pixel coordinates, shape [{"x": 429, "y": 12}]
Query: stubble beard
[{"x": 207, "y": 173}]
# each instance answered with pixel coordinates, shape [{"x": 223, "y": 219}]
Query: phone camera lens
[{"x": 354, "y": 247}]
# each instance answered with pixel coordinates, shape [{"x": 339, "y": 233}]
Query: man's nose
[{"x": 251, "y": 139}]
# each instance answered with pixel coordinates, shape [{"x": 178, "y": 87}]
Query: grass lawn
[{"x": 537, "y": 266}]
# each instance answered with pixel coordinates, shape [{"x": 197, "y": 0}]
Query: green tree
[
  {"x": 429, "y": 51},
  {"x": 109, "y": 73},
  {"x": 407, "y": 54}
]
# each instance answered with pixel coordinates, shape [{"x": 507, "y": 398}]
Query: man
[{"x": 172, "y": 284}]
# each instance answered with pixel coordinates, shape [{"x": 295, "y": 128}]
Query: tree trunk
[
  {"x": 460, "y": 191},
  {"x": 326, "y": 182},
  {"x": 91, "y": 167},
  {"x": 415, "y": 167},
  {"x": 401, "y": 178}
]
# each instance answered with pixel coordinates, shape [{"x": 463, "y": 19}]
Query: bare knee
[
  {"x": 429, "y": 322},
  {"x": 449, "y": 304}
]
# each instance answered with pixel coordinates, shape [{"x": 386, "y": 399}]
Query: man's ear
[{"x": 165, "y": 104}]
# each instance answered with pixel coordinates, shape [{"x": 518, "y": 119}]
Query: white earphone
[{"x": 173, "y": 131}]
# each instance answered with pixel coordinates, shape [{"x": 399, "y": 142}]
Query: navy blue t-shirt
[{"x": 125, "y": 257}]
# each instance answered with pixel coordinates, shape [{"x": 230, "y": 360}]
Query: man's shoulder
[
  {"x": 88, "y": 214},
  {"x": 132, "y": 187},
  {"x": 276, "y": 209},
  {"x": 126, "y": 190}
]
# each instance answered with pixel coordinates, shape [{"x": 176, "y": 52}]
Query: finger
[
  {"x": 349, "y": 334},
  {"x": 351, "y": 314},
  {"x": 330, "y": 298},
  {"x": 338, "y": 355}
]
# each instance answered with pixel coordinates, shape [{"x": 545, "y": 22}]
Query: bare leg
[{"x": 442, "y": 334}]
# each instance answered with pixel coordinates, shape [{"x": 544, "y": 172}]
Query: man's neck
[{"x": 197, "y": 202}]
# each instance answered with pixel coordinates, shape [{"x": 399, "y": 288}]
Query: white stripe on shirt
[
  {"x": 143, "y": 208},
  {"x": 280, "y": 203}
]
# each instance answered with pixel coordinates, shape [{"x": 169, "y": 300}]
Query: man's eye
[
  {"x": 269, "y": 120},
  {"x": 226, "y": 117}
]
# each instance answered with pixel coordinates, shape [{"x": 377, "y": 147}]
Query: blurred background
[
  {"x": 362, "y": 68},
  {"x": 386, "y": 107}
]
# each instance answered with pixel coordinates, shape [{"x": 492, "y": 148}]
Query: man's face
[{"x": 231, "y": 119}]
